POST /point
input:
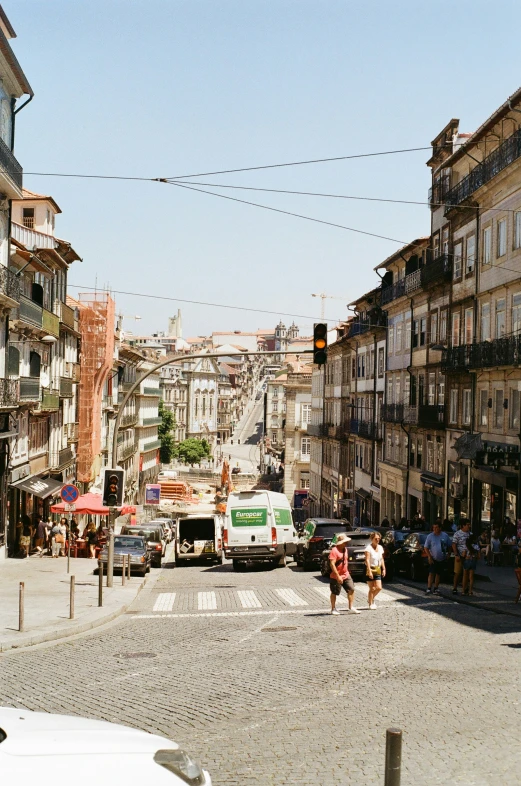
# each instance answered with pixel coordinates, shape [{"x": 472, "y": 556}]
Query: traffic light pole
[{"x": 110, "y": 557}]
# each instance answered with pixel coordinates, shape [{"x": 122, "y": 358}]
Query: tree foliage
[
  {"x": 165, "y": 434},
  {"x": 192, "y": 451}
]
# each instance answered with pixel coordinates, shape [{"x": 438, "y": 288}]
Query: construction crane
[{"x": 324, "y": 297}]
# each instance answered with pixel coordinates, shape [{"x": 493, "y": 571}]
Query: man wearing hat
[{"x": 340, "y": 576}]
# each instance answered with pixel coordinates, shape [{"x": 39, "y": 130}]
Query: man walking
[
  {"x": 340, "y": 576},
  {"x": 459, "y": 547},
  {"x": 437, "y": 546}
]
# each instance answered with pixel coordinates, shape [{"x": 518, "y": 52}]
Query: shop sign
[
  {"x": 152, "y": 494},
  {"x": 496, "y": 454}
]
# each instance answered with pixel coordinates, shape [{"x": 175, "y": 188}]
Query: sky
[{"x": 167, "y": 88}]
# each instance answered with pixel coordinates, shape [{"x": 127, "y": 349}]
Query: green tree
[
  {"x": 165, "y": 434},
  {"x": 191, "y": 451}
]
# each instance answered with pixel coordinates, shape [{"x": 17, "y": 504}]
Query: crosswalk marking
[
  {"x": 290, "y": 597},
  {"x": 165, "y": 601},
  {"x": 206, "y": 601},
  {"x": 249, "y": 599},
  {"x": 325, "y": 592}
]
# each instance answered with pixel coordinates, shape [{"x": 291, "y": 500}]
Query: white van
[
  {"x": 199, "y": 537},
  {"x": 258, "y": 526}
]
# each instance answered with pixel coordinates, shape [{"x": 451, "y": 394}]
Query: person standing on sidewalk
[
  {"x": 437, "y": 546},
  {"x": 459, "y": 547},
  {"x": 470, "y": 564},
  {"x": 340, "y": 576},
  {"x": 375, "y": 568}
]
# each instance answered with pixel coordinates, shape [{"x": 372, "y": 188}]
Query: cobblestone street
[{"x": 251, "y": 675}]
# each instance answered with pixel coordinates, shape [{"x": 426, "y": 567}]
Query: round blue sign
[{"x": 70, "y": 493}]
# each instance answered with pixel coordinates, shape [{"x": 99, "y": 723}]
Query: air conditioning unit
[{"x": 456, "y": 490}]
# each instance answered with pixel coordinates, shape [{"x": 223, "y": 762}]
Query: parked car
[
  {"x": 360, "y": 539},
  {"x": 411, "y": 558},
  {"x": 236, "y": 470},
  {"x": 43, "y": 747},
  {"x": 317, "y": 535},
  {"x": 133, "y": 545},
  {"x": 168, "y": 527},
  {"x": 153, "y": 536}
]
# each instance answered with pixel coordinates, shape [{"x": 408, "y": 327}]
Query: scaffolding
[{"x": 97, "y": 312}]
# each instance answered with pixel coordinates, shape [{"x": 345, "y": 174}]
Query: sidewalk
[{"x": 47, "y": 586}]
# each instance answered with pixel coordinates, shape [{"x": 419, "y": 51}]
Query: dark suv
[
  {"x": 317, "y": 536},
  {"x": 360, "y": 539}
]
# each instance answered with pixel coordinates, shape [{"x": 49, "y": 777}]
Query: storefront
[
  {"x": 29, "y": 499},
  {"x": 392, "y": 493},
  {"x": 495, "y": 487},
  {"x": 433, "y": 485},
  {"x": 458, "y": 491}
]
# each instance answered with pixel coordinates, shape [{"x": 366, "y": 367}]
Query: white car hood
[{"x": 39, "y": 734}]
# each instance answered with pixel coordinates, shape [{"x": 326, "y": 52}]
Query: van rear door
[{"x": 248, "y": 525}]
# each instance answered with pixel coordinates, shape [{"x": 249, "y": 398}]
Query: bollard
[
  {"x": 393, "y": 757},
  {"x": 21, "y": 610},
  {"x": 100, "y": 583},
  {"x": 128, "y": 567},
  {"x": 123, "y": 569},
  {"x": 71, "y": 601}
]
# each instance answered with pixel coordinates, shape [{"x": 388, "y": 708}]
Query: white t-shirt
[{"x": 375, "y": 554}]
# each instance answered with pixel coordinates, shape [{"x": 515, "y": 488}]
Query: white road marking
[
  {"x": 258, "y": 630},
  {"x": 206, "y": 600},
  {"x": 290, "y": 597},
  {"x": 248, "y": 599},
  {"x": 229, "y": 613},
  {"x": 164, "y": 601},
  {"x": 325, "y": 592}
]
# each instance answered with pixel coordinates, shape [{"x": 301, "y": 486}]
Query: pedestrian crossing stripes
[
  {"x": 248, "y": 599},
  {"x": 326, "y": 592},
  {"x": 290, "y": 597},
  {"x": 206, "y": 601},
  {"x": 165, "y": 601}
]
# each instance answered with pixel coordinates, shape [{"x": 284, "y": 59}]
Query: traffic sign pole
[{"x": 69, "y": 495}]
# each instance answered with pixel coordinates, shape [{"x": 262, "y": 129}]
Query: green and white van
[{"x": 258, "y": 527}]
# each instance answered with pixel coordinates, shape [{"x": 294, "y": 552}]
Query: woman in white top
[{"x": 375, "y": 568}]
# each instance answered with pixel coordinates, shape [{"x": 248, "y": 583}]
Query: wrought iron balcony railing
[
  {"x": 72, "y": 432},
  {"x": 9, "y": 284},
  {"x": 30, "y": 389},
  {"x": 50, "y": 323},
  {"x": 499, "y": 159},
  {"x": 393, "y": 413},
  {"x": 61, "y": 458},
  {"x": 393, "y": 291},
  {"x": 50, "y": 399},
  {"x": 130, "y": 419},
  {"x": 65, "y": 314},
  {"x": 366, "y": 428},
  {"x": 485, "y": 354},
  {"x": 30, "y": 312},
  {"x": 12, "y": 169},
  {"x": 66, "y": 387},
  {"x": 431, "y": 415},
  {"x": 9, "y": 395}
]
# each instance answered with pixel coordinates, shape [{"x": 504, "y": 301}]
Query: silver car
[{"x": 136, "y": 547}]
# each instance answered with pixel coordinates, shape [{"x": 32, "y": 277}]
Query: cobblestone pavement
[{"x": 250, "y": 673}]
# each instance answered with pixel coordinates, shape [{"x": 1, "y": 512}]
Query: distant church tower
[
  {"x": 281, "y": 337},
  {"x": 175, "y": 326},
  {"x": 292, "y": 331}
]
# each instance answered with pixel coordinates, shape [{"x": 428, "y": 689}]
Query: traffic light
[
  {"x": 319, "y": 343},
  {"x": 113, "y": 485}
]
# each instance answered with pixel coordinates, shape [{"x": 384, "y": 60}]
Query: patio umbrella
[{"x": 93, "y": 504}]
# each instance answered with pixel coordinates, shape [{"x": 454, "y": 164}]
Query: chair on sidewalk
[{"x": 497, "y": 558}]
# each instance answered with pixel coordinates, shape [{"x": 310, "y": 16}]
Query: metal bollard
[
  {"x": 21, "y": 610},
  {"x": 100, "y": 583},
  {"x": 393, "y": 757},
  {"x": 71, "y": 601},
  {"x": 123, "y": 569},
  {"x": 128, "y": 566}
]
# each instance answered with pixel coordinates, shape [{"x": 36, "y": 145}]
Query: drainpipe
[
  {"x": 14, "y": 112},
  {"x": 402, "y": 424},
  {"x": 474, "y": 377}
]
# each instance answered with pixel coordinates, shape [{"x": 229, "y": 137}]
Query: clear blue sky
[{"x": 168, "y": 87}]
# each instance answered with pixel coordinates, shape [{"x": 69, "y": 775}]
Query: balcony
[
  {"x": 130, "y": 419},
  {"x": 440, "y": 269},
  {"x": 360, "y": 326},
  {"x": 151, "y": 446},
  {"x": 31, "y": 238},
  {"x": 493, "y": 164},
  {"x": 50, "y": 400},
  {"x": 61, "y": 458},
  {"x": 413, "y": 282},
  {"x": 30, "y": 389},
  {"x": 72, "y": 432},
  {"x": 152, "y": 421},
  {"x": 393, "y": 292},
  {"x": 9, "y": 286},
  {"x": 393, "y": 413},
  {"x": 146, "y": 391},
  {"x": 366, "y": 429},
  {"x": 50, "y": 323},
  {"x": 66, "y": 387},
  {"x": 319, "y": 430},
  {"x": 12, "y": 173},
  {"x": 9, "y": 396},
  {"x": 30, "y": 312},
  {"x": 486, "y": 354},
  {"x": 126, "y": 450},
  {"x": 65, "y": 314},
  {"x": 431, "y": 416}
]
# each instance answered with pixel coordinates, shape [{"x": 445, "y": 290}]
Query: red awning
[{"x": 92, "y": 503}]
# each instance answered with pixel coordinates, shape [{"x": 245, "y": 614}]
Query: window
[
  {"x": 306, "y": 413},
  {"x": 412, "y": 454},
  {"x": 28, "y": 217},
  {"x": 470, "y": 257},
  {"x": 434, "y": 327},
  {"x": 274, "y": 406},
  {"x": 455, "y": 329},
  {"x": 516, "y": 313},
  {"x": 457, "y": 262},
  {"x": 389, "y": 449},
  {"x": 419, "y": 451},
  {"x": 514, "y": 409},
  {"x": 423, "y": 331},
  {"x": 305, "y": 446},
  {"x": 453, "y": 407},
  {"x": 485, "y": 322},
  {"x": 469, "y": 327},
  {"x": 498, "y": 409},
  {"x": 275, "y": 392},
  {"x": 421, "y": 389},
  {"x": 445, "y": 239},
  {"x": 406, "y": 389},
  {"x": 35, "y": 363},
  {"x": 408, "y": 334},
  {"x": 391, "y": 339},
  {"x": 500, "y": 318},
  {"x": 381, "y": 366},
  {"x": 413, "y": 391},
  {"x": 487, "y": 245},
  {"x": 399, "y": 340},
  {"x": 304, "y": 481},
  {"x": 483, "y": 407},
  {"x": 431, "y": 393},
  {"x": 517, "y": 229},
  {"x": 467, "y": 406},
  {"x": 502, "y": 237},
  {"x": 430, "y": 454},
  {"x": 273, "y": 436},
  {"x": 415, "y": 333},
  {"x": 443, "y": 326},
  {"x": 13, "y": 363}
]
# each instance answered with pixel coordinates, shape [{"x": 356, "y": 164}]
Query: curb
[{"x": 57, "y": 635}]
